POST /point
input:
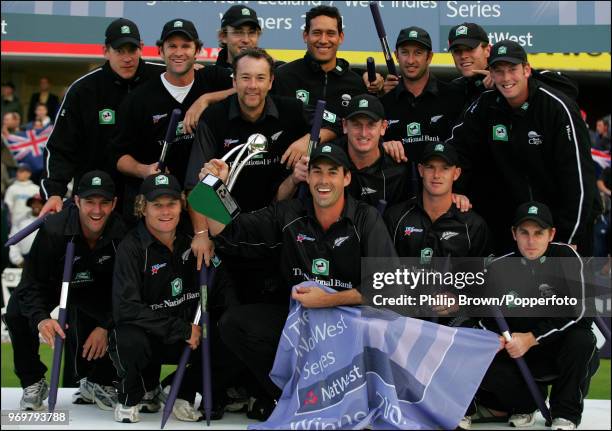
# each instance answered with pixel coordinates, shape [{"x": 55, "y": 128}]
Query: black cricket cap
[
  {"x": 179, "y": 25},
  {"x": 238, "y": 15},
  {"x": 331, "y": 152},
  {"x": 446, "y": 152},
  {"x": 159, "y": 185},
  {"x": 414, "y": 34},
  {"x": 122, "y": 31},
  {"x": 96, "y": 183},
  {"x": 468, "y": 33},
  {"x": 536, "y": 211},
  {"x": 366, "y": 104},
  {"x": 509, "y": 51}
]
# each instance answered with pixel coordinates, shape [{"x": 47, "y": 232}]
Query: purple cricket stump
[
  {"x": 371, "y": 66},
  {"x": 178, "y": 378},
  {"x": 206, "y": 279},
  {"x": 26, "y": 231},
  {"x": 315, "y": 137},
  {"x": 170, "y": 135},
  {"x": 382, "y": 36},
  {"x": 59, "y": 341},
  {"x": 523, "y": 368}
]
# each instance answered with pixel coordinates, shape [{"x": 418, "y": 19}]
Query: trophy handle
[
  {"x": 238, "y": 168},
  {"x": 237, "y": 163},
  {"x": 231, "y": 152}
]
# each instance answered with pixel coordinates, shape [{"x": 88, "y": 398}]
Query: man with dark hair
[
  {"x": 469, "y": 45},
  {"x": 239, "y": 30},
  {"x": 230, "y": 122},
  {"x": 10, "y": 101},
  {"x": 376, "y": 176},
  {"x": 602, "y": 138},
  {"x": 529, "y": 140},
  {"x": 146, "y": 112},
  {"x": 87, "y": 117},
  {"x": 44, "y": 96},
  {"x": 323, "y": 238},
  {"x": 421, "y": 108},
  {"x": 320, "y": 74},
  {"x": 96, "y": 230},
  {"x": 553, "y": 340}
]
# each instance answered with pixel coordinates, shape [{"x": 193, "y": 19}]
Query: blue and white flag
[{"x": 352, "y": 367}]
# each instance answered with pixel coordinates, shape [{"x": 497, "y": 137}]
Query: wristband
[{"x": 201, "y": 232}]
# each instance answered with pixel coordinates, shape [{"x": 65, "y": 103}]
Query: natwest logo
[
  {"x": 409, "y": 230},
  {"x": 301, "y": 238},
  {"x": 157, "y": 267}
]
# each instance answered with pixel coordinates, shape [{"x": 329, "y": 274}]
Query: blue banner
[{"x": 352, "y": 367}]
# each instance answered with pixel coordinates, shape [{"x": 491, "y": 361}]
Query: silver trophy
[
  {"x": 256, "y": 144},
  {"x": 211, "y": 197}
]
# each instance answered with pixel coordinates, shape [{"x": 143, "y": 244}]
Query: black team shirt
[
  {"x": 429, "y": 117},
  {"x": 143, "y": 120},
  {"x": 222, "y": 128}
]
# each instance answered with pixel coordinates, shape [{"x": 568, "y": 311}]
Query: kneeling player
[
  {"x": 155, "y": 296},
  {"x": 560, "y": 350}
]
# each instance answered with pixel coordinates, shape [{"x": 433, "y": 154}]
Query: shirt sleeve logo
[
  {"x": 106, "y": 116},
  {"x": 320, "y": 267},
  {"x": 500, "y": 133},
  {"x": 177, "y": 286}
]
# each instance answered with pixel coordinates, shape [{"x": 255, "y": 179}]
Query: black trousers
[
  {"x": 252, "y": 333},
  {"x": 25, "y": 342},
  {"x": 138, "y": 358},
  {"x": 567, "y": 364}
]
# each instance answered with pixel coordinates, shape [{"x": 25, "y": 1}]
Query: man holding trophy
[
  {"x": 323, "y": 239},
  {"x": 225, "y": 126}
]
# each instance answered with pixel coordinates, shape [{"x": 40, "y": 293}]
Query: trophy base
[{"x": 211, "y": 198}]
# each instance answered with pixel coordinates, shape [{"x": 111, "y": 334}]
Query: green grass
[
  {"x": 10, "y": 380},
  {"x": 600, "y": 384}
]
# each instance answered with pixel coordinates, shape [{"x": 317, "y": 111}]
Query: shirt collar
[
  {"x": 430, "y": 87},
  {"x": 118, "y": 79},
  {"x": 452, "y": 212},
  {"x": 112, "y": 229},
  {"x": 348, "y": 212},
  {"x": 270, "y": 109},
  {"x": 341, "y": 65},
  {"x": 222, "y": 59}
]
